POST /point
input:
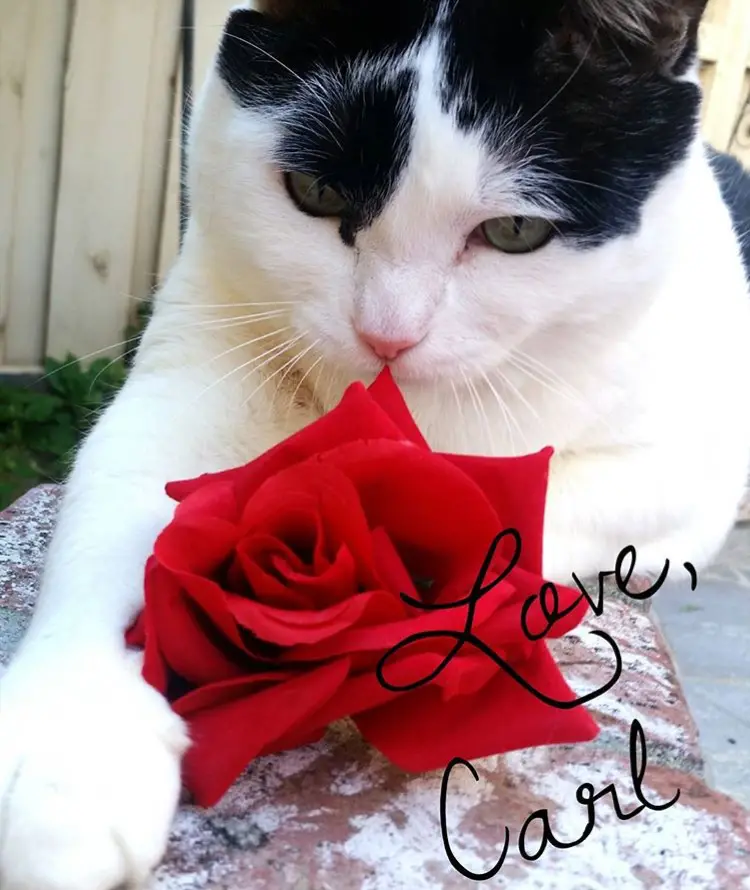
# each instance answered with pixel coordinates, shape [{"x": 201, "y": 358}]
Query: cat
[{"x": 508, "y": 202}]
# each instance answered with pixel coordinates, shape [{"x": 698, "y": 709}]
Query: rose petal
[
  {"x": 499, "y": 605},
  {"x": 414, "y": 493},
  {"x": 197, "y": 540},
  {"x": 387, "y": 394},
  {"x": 356, "y": 417},
  {"x": 567, "y": 600},
  {"x": 364, "y": 692},
  {"x": 229, "y": 733},
  {"x": 294, "y": 628},
  {"x": 214, "y": 695},
  {"x": 517, "y": 489},
  {"x": 187, "y": 636},
  {"x": 256, "y": 572},
  {"x": 390, "y": 568},
  {"x": 501, "y": 717},
  {"x": 290, "y": 589},
  {"x": 145, "y": 635},
  {"x": 332, "y": 585},
  {"x": 314, "y": 496}
]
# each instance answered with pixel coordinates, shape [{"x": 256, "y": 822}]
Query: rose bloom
[{"x": 276, "y": 592}]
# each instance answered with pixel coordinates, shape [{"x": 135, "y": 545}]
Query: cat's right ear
[
  {"x": 257, "y": 55},
  {"x": 303, "y": 11},
  {"x": 656, "y": 32}
]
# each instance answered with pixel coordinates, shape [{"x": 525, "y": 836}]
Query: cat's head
[{"x": 438, "y": 180}]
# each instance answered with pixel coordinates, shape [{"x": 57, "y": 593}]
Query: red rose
[{"x": 275, "y": 592}]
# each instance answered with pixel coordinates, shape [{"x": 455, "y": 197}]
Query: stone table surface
[
  {"x": 708, "y": 631},
  {"x": 338, "y": 816}
]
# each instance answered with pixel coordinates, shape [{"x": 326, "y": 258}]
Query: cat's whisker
[
  {"x": 219, "y": 324},
  {"x": 457, "y": 400},
  {"x": 536, "y": 369},
  {"x": 316, "y": 387},
  {"x": 245, "y": 343},
  {"x": 266, "y": 379},
  {"x": 287, "y": 369},
  {"x": 88, "y": 355},
  {"x": 135, "y": 299},
  {"x": 552, "y": 382},
  {"x": 189, "y": 305},
  {"x": 264, "y": 52},
  {"x": 273, "y": 352},
  {"x": 517, "y": 392},
  {"x": 329, "y": 391},
  {"x": 485, "y": 418},
  {"x": 268, "y": 356},
  {"x": 538, "y": 114},
  {"x": 508, "y": 416},
  {"x": 249, "y": 303},
  {"x": 234, "y": 370},
  {"x": 479, "y": 408},
  {"x": 550, "y": 386},
  {"x": 109, "y": 364},
  {"x": 136, "y": 339},
  {"x": 592, "y": 185},
  {"x": 292, "y": 400},
  {"x": 435, "y": 408}
]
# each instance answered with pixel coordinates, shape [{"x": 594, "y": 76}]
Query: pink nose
[{"x": 388, "y": 350}]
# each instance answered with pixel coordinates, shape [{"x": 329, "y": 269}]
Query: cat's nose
[{"x": 388, "y": 350}]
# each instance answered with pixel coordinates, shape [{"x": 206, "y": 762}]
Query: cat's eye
[
  {"x": 313, "y": 197},
  {"x": 517, "y": 234}
]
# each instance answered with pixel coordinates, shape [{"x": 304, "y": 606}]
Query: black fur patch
[
  {"x": 734, "y": 181},
  {"x": 608, "y": 126},
  {"x": 604, "y": 121},
  {"x": 355, "y": 138}
]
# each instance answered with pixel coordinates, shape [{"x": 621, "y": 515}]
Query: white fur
[{"x": 633, "y": 366}]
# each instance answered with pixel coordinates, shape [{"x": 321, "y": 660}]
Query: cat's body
[{"x": 622, "y": 341}]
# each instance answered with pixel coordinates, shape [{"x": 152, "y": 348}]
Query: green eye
[
  {"x": 517, "y": 234},
  {"x": 314, "y": 198}
]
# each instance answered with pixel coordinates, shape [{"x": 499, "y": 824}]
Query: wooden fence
[{"x": 89, "y": 157}]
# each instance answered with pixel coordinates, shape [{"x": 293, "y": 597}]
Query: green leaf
[{"x": 40, "y": 430}]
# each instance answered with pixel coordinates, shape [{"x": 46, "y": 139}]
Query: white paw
[{"x": 89, "y": 778}]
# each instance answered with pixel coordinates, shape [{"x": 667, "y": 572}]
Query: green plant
[{"x": 41, "y": 427}]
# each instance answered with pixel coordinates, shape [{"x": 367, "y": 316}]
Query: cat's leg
[
  {"x": 655, "y": 500},
  {"x": 89, "y": 754}
]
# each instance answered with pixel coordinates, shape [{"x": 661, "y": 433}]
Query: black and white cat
[{"x": 509, "y": 201}]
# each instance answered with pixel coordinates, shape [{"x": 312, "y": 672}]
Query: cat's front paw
[
  {"x": 89, "y": 779},
  {"x": 566, "y": 553}
]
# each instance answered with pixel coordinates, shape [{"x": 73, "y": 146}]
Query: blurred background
[{"x": 90, "y": 118}]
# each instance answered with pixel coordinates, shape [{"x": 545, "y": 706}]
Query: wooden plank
[
  {"x": 727, "y": 92},
  {"x": 119, "y": 90},
  {"x": 155, "y": 173},
  {"x": 33, "y": 40},
  {"x": 210, "y": 17},
  {"x": 710, "y": 44},
  {"x": 740, "y": 146},
  {"x": 710, "y": 38}
]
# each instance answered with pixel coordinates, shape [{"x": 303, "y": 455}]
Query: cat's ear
[
  {"x": 298, "y": 10},
  {"x": 661, "y": 30}
]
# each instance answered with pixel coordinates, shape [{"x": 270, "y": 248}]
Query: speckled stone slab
[
  {"x": 337, "y": 816},
  {"x": 743, "y": 513}
]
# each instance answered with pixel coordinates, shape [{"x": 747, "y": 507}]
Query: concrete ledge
[{"x": 336, "y": 815}]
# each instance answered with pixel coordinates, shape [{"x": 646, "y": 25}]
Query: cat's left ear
[{"x": 662, "y": 33}]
